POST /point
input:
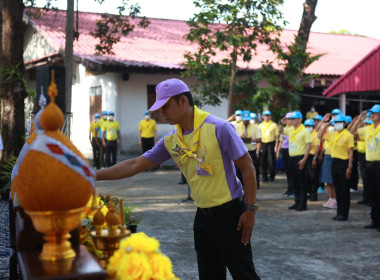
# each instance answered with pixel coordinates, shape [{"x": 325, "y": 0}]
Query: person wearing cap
[
  {"x": 251, "y": 135},
  {"x": 283, "y": 147},
  {"x": 111, "y": 139},
  {"x": 371, "y": 136},
  {"x": 311, "y": 113},
  {"x": 354, "y": 179},
  {"x": 147, "y": 132},
  {"x": 269, "y": 132},
  {"x": 342, "y": 144},
  {"x": 253, "y": 118},
  {"x": 326, "y": 161},
  {"x": 299, "y": 150},
  {"x": 312, "y": 165},
  {"x": 206, "y": 149},
  {"x": 317, "y": 123},
  {"x": 93, "y": 136},
  {"x": 362, "y": 162},
  {"x": 102, "y": 150},
  {"x": 236, "y": 118}
]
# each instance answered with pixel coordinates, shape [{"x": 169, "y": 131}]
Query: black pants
[
  {"x": 268, "y": 161},
  {"x": 102, "y": 153},
  {"x": 96, "y": 153},
  {"x": 373, "y": 179},
  {"x": 342, "y": 189},
  {"x": 111, "y": 153},
  {"x": 354, "y": 179},
  {"x": 255, "y": 164},
  {"x": 300, "y": 181},
  {"x": 218, "y": 245},
  {"x": 362, "y": 165},
  {"x": 313, "y": 177},
  {"x": 285, "y": 162},
  {"x": 147, "y": 143}
]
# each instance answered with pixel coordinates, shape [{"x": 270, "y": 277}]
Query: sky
[{"x": 356, "y": 16}]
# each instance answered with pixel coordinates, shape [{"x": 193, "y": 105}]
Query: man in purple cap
[{"x": 206, "y": 149}]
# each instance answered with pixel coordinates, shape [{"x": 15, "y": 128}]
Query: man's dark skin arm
[
  {"x": 247, "y": 219},
  {"x": 124, "y": 169}
]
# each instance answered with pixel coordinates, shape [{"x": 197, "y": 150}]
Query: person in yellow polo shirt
[
  {"x": 342, "y": 145},
  {"x": 269, "y": 132},
  {"x": 111, "y": 139},
  {"x": 93, "y": 135},
  {"x": 206, "y": 149},
  {"x": 312, "y": 165},
  {"x": 147, "y": 132},
  {"x": 251, "y": 136},
  {"x": 371, "y": 135},
  {"x": 299, "y": 150},
  {"x": 362, "y": 163}
]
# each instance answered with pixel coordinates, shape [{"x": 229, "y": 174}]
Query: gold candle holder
[
  {"x": 56, "y": 226},
  {"x": 108, "y": 243}
]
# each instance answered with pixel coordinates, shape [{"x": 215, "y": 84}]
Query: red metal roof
[
  {"x": 162, "y": 45},
  {"x": 364, "y": 76}
]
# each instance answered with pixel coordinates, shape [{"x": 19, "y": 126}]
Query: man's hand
[
  {"x": 314, "y": 164},
  {"x": 348, "y": 172},
  {"x": 247, "y": 222},
  {"x": 301, "y": 164},
  {"x": 326, "y": 117}
]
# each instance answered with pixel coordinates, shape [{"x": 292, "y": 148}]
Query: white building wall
[{"x": 128, "y": 99}]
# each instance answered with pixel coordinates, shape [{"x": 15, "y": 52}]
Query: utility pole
[{"x": 69, "y": 53}]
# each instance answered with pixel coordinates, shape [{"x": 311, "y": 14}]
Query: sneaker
[
  {"x": 327, "y": 203},
  {"x": 353, "y": 190},
  {"x": 292, "y": 195},
  {"x": 333, "y": 204},
  {"x": 286, "y": 194}
]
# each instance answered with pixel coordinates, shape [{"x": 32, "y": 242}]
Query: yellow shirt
[
  {"x": 100, "y": 124},
  {"x": 315, "y": 141},
  {"x": 372, "y": 137},
  {"x": 311, "y": 115},
  {"x": 298, "y": 139},
  {"x": 340, "y": 143},
  {"x": 111, "y": 129},
  {"x": 253, "y": 132},
  {"x": 361, "y": 145},
  {"x": 94, "y": 127},
  {"x": 269, "y": 131},
  {"x": 147, "y": 128}
]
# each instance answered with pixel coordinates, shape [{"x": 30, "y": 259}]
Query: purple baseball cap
[{"x": 167, "y": 89}]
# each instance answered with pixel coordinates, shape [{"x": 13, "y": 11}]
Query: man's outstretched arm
[{"x": 124, "y": 169}]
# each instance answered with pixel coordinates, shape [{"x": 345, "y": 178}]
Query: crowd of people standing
[{"x": 318, "y": 154}]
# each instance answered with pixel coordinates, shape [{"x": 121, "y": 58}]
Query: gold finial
[{"x": 52, "y": 90}]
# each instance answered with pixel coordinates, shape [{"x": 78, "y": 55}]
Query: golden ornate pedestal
[{"x": 56, "y": 226}]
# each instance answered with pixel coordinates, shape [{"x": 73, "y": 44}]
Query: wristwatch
[{"x": 254, "y": 207}]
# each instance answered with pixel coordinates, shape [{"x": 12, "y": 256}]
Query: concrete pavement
[{"x": 286, "y": 244}]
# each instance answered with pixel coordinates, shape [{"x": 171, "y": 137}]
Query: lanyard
[
  {"x": 199, "y": 118},
  {"x": 294, "y": 133}
]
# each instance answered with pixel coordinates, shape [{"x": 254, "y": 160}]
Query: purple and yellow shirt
[{"x": 219, "y": 146}]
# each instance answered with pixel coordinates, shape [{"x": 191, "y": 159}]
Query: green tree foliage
[
  {"x": 282, "y": 94},
  {"x": 110, "y": 28},
  {"x": 226, "y": 32}
]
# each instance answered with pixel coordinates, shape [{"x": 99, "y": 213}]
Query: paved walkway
[{"x": 286, "y": 244}]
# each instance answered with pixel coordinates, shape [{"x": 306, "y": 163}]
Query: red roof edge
[{"x": 333, "y": 89}]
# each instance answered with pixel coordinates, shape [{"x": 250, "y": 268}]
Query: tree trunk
[
  {"x": 13, "y": 92},
  {"x": 232, "y": 82},
  {"x": 308, "y": 17},
  {"x": 69, "y": 53}
]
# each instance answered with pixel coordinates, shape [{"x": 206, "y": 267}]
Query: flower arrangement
[
  {"x": 87, "y": 217},
  {"x": 139, "y": 258}
]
